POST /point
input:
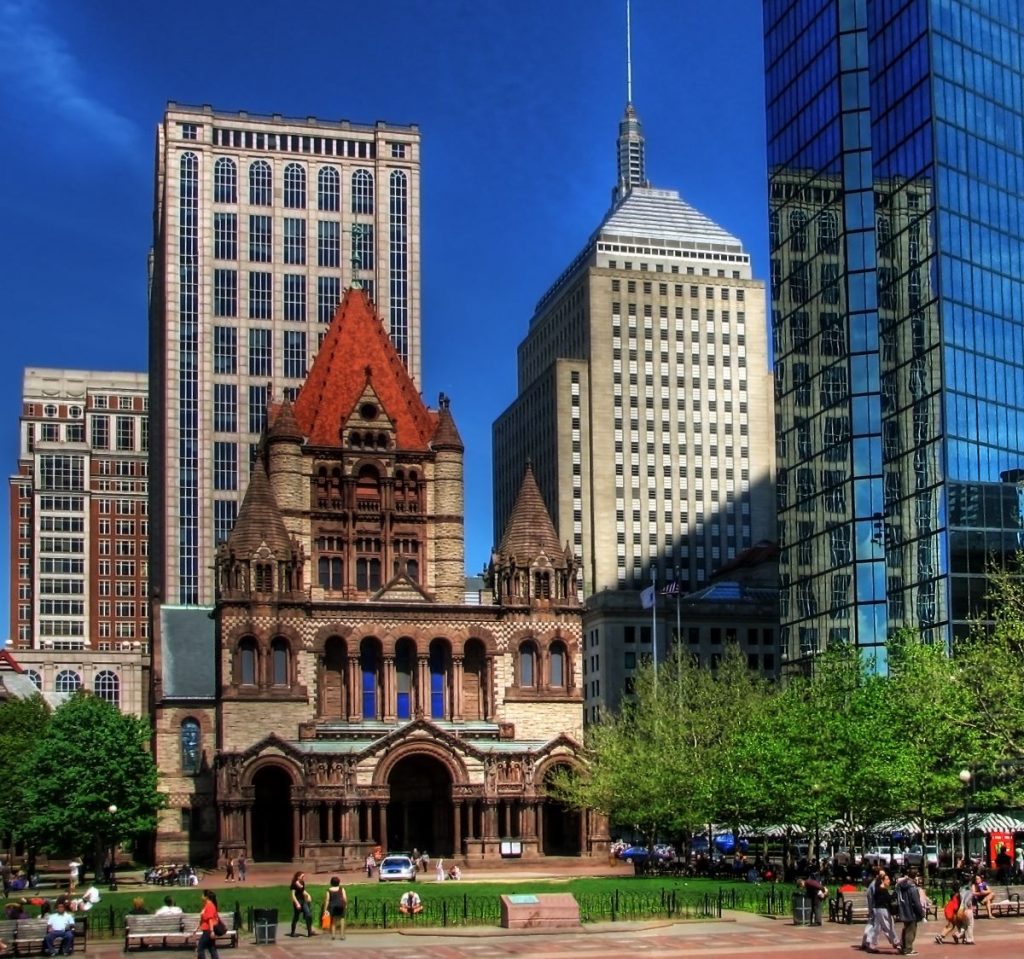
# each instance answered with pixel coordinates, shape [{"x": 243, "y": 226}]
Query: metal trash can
[
  {"x": 264, "y": 924},
  {"x": 802, "y": 909}
]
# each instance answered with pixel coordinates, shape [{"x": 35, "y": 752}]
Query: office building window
[
  {"x": 225, "y": 512},
  {"x": 257, "y": 409},
  {"x": 294, "y": 186},
  {"x": 261, "y": 183},
  {"x": 295, "y": 297},
  {"x": 260, "y": 356},
  {"x": 125, "y": 433},
  {"x": 225, "y": 181},
  {"x": 100, "y": 432},
  {"x": 261, "y": 238},
  {"x": 328, "y": 244},
  {"x": 328, "y": 292},
  {"x": 294, "y": 354},
  {"x": 225, "y": 236},
  {"x": 225, "y": 349},
  {"x": 294, "y": 240},
  {"x": 225, "y": 465},
  {"x": 225, "y": 293},
  {"x": 362, "y": 191},
  {"x": 225, "y": 407},
  {"x": 260, "y": 296},
  {"x": 328, "y": 189}
]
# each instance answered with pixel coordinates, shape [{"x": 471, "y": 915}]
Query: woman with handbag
[
  {"x": 301, "y": 904},
  {"x": 335, "y": 903},
  {"x": 209, "y": 919}
]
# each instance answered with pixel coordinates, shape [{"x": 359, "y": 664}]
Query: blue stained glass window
[{"x": 191, "y": 743}]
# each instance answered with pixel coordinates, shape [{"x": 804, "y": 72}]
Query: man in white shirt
[
  {"x": 168, "y": 908},
  {"x": 60, "y": 928}
]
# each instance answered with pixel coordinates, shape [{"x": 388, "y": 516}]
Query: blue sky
[{"x": 517, "y": 101}]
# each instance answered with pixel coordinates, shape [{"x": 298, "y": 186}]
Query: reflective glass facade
[{"x": 896, "y": 185}]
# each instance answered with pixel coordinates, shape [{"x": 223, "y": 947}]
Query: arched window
[
  {"x": 295, "y": 186},
  {"x": 556, "y": 667},
  {"x": 369, "y": 665},
  {"x": 474, "y": 685},
  {"x": 225, "y": 181},
  {"x": 328, "y": 189},
  {"x": 367, "y": 573},
  {"x": 527, "y": 664},
  {"x": 362, "y": 191},
  {"x": 329, "y": 572},
  {"x": 883, "y": 228},
  {"x": 247, "y": 662},
  {"x": 37, "y": 680},
  {"x": 439, "y": 661},
  {"x": 107, "y": 687},
  {"x": 191, "y": 739},
  {"x": 68, "y": 681},
  {"x": 405, "y": 670},
  {"x": 279, "y": 661},
  {"x": 261, "y": 183},
  {"x": 797, "y": 231},
  {"x": 263, "y": 578},
  {"x": 773, "y": 228}
]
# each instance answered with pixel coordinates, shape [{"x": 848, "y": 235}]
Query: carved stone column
[
  {"x": 387, "y": 710},
  {"x": 457, "y": 671},
  {"x": 355, "y": 690},
  {"x": 422, "y": 687}
]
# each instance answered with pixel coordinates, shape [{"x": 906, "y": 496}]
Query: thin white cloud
[{"x": 37, "y": 62}]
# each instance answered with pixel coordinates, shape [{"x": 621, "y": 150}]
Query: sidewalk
[{"x": 739, "y": 934}]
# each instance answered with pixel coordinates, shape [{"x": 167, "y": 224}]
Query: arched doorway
[
  {"x": 562, "y": 825},
  {"x": 420, "y": 810},
  {"x": 273, "y": 839}
]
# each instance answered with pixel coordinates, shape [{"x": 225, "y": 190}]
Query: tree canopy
[{"x": 89, "y": 757}]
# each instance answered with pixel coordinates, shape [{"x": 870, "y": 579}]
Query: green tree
[
  {"x": 90, "y": 757},
  {"x": 22, "y": 722}
]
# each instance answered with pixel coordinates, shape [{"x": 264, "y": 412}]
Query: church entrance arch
[
  {"x": 420, "y": 809},
  {"x": 273, "y": 839},
  {"x": 562, "y": 825}
]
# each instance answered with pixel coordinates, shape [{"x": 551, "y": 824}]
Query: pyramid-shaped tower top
[
  {"x": 283, "y": 425},
  {"x": 630, "y": 161},
  {"x": 355, "y": 352},
  {"x": 529, "y": 531},
  {"x": 259, "y": 519}
]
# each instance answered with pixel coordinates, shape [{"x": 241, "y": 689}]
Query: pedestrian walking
[
  {"x": 242, "y": 865},
  {"x": 882, "y": 914},
  {"x": 911, "y": 910}
]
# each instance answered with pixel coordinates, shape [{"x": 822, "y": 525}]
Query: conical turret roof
[
  {"x": 447, "y": 434},
  {"x": 284, "y": 426},
  {"x": 529, "y": 530},
  {"x": 259, "y": 519}
]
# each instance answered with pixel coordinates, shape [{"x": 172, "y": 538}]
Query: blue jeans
[
  {"x": 207, "y": 944},
  {"x": 66, "y": 940}
]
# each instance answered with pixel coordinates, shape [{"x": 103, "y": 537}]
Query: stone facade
[{"x": 359, "y": 701}]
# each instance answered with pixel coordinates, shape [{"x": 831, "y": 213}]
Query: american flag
[{"x": 670, "y": 589}]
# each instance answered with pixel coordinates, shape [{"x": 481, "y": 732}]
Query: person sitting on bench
[{"x": 60, "y": 928}]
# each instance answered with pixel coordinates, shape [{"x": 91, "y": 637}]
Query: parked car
[
  {"x": 640, "y": 853},
  {"x": 915, "y": 855},
  {"x": 396, "y": 869},
  {"x": 882, "y": 856}
]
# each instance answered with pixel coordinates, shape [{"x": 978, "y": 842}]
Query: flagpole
[{"x": 679, "y": 621}]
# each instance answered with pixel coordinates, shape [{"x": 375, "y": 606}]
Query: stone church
[{"x": 343, "y": 692}]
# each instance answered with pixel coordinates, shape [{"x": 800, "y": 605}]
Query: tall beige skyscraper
[
  {"x": 644, "y": 399},
  {"x": 260, "y": 222}
]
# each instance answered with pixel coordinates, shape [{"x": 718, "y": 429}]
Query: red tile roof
[{"x": 355, "y": 351}]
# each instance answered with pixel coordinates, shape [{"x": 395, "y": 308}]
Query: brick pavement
[{"x": 738, "y": 935}]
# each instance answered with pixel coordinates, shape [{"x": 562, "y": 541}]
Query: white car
[
  {"x": 882, "y": 856},
  {"x": 396, "y": 869},
  {"x": 916, "y": 854}
]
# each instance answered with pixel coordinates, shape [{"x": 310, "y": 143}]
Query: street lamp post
[
  {"x": 816, "y": 792},
  {"x": 965, "y": 778},
  {"x": 112, "y": 809}
]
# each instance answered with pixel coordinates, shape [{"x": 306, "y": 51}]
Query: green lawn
[{"x": 373, "y": 904}]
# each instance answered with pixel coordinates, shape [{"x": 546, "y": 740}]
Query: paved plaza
[{"x": 736, "y": 935}]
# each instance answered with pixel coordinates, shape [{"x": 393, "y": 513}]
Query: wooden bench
[
  {"x": 29, "y": 935},
  {"x": 1007, "y": 900},
  {"x": 848, "y": 907},
  {"x": 172, "y": 930}
]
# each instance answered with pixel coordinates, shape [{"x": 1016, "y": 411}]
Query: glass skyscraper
[{"x": 896, "y": 206}]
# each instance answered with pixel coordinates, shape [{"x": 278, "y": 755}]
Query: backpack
[{"x": 952, "y": 908}]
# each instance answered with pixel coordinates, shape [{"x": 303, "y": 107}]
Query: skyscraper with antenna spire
[{"x": 644, "y": 402}]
